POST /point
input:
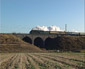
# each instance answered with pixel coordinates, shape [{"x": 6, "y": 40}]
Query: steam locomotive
[{"x": 56, "y": 33}]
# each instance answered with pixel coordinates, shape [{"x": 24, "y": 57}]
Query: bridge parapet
[{"x": 33, "y": 36}]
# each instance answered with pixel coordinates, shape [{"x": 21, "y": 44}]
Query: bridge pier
[{"x": 32, "y": 42}]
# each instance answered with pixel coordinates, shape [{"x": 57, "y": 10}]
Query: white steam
[
  {"x": 45, "y": 28},
  {"x": 73, "y": 30}
]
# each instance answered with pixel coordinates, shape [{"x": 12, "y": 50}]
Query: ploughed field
[{"x": 42, "y": 61}]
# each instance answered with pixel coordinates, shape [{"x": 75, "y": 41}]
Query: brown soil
[{"x": 41, "y": 61}]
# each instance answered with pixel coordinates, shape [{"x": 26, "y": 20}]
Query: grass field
[{"x": 42, "y": 61}]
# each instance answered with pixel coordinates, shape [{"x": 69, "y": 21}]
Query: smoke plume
[{"x": 45, "y": 28}]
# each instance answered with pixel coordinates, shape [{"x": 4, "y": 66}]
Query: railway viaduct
[{"x": 40, "y": 40}]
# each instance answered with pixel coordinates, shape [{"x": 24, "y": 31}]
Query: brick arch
[
  {"x": 57, "y": 44},
  {"x": 38, "y": 41},
  {"x": 51, "y": 43},
  {"x": 48, "y": 43}
]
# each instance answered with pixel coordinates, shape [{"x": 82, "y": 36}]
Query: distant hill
[{"x": 10, "y": 43}]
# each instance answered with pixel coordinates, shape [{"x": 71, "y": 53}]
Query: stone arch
[
  {"x": 39, "y": 42},
  {"x": 27, "y": 39}
]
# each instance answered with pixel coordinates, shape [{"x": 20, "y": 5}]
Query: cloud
[
  {"x": 73, "y": 30},
  {"x": 45, "y": 28}
]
